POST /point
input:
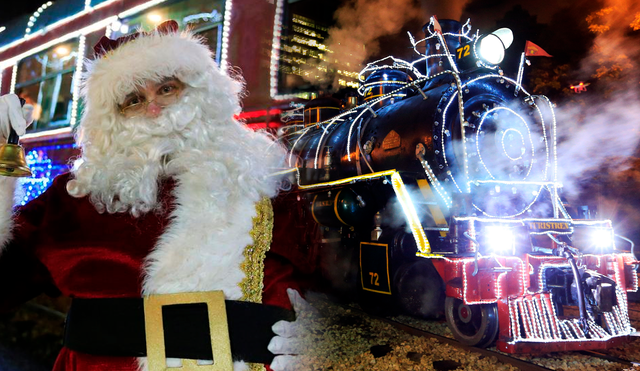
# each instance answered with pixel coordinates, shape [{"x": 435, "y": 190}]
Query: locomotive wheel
[
  {"x": 420, "y": 289},
  {"x": 474, "y": 325}
]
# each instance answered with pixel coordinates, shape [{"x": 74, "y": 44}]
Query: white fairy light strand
[
  {"x": 75, "y": 91},
  {"x": 35, "y": 15},
  {"x": 14, "y": 77},
  {"x": 520, "y": 75},
  {"x": 226, "y": 30}
]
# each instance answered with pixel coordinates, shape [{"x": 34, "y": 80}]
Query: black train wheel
[{"x": 474, "y": 325}]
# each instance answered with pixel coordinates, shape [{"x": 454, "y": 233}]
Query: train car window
[
  {"x": 45, "y": 80},
  {"x": 305, "y": 64},
  {"x": 204, "y": 17}
]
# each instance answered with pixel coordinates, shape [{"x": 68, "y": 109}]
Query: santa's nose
[{"x": 153, "y": 110}]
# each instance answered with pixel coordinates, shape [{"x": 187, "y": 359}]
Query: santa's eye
[
  {"x": 132, "y": 101},
  {"x": 169, "y": 88}
]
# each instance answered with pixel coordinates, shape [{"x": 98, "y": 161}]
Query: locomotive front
[{"x": 439, "y": 193}]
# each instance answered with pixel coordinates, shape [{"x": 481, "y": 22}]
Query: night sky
[
  {"x": 489, "y": 10},
  {"x": 19, "y": 8}
]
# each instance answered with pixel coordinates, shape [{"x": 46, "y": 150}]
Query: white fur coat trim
[
  {"x": 7, "y": 189},
  {"x": 202, "y": 249}
]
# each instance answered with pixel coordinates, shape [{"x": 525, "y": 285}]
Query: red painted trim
[{"x": 537, "y": 348}]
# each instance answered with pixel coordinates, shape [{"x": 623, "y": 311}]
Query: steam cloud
[
  {"x": 603, "y": 131},
  {"x": 361, "y": 23}
]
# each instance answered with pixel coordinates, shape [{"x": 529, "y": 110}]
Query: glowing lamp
[
  {"x": 62, "y": 51},
  {"x": 499, "y": 239},
  {"x": 154, "y": 17},
  {"x": 602, "y": 238},
  {"x": 492, "y": 47}
]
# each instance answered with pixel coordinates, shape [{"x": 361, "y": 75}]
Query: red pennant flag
[
  {"x": 436, "y": 25},
  {"x": 533, "y": 50}
]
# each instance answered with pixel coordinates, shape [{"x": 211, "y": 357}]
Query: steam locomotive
[{"x": 439, "y": 193}]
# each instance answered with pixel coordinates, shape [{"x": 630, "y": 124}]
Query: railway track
[
  {"x": 502, "y": 357},
  {"x": 520, "y": 364},
  {"x": 352, "y": 339}
]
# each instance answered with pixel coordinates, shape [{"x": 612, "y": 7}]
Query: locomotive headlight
[
  {"x": 500, "y": 240},
  {"x": 491, "y": 48},
  {"x": 602, "y": 238}
]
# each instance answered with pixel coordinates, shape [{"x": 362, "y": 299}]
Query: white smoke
[
  {"x": 604, "y": 133},
  {"x": 359, "y": 25},
  {"x": 600, "y": 130}
]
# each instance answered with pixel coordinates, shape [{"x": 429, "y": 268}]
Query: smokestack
[{"x": 436, "y": 65}]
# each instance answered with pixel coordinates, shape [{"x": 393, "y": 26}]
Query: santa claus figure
[{"x": 170, "y": 196}]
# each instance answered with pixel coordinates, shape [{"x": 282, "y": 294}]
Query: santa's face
[{"x": 149, "y": 99}]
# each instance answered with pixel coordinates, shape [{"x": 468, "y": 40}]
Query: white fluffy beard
[{"x": 124, "y": 160}]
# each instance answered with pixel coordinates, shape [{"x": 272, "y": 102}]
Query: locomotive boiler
[{"x": 439, "y": 194}]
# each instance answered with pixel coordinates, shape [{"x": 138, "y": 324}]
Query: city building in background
[
  {"x": 278, "y": 47},
  {"x": 306, "y": 61}
]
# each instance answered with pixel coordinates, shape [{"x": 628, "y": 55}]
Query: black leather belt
[{"x": 116, "y": 327}]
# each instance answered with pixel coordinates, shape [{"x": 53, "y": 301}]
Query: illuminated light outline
[
  {"x": 283, "y": 172},
  {"x": 83, "y": 31},
  {"x": 275, "y": 54},
  {"x": 514, "y": 329},
  {"x": 410, "y": 213},
  {"x": 324, "y": 132},
  {"x": 75, "y": 90},
  {"x": 529, "y": 95},
  {"x": 226, "y": 30},
  {"x": 554, "y": 131},
  {"x": 56, "y": 24},
  {"x": 349, "y": 180},
  {"x": 505, "y": 150},
  {"x": 484, "y": 116},
  {"x": 520, "y": 75},
  {"x": 215, "y": 16},
  {"x": 397, "y": 64},
  {"x": 517, "y": 182},
  {"x": 399, "y": 188},
  {"x": 108, "y": 31},
  {"x": 433, "y": 179},
  {"x": 365, "y": 106},
  {"x": 14, "y": 77},
  {"x": 620, "y": 326},
  {"x": 296, "y": 143},
  {"x": 442, "y": 41},
  {"x": 34, "y": 17},
  {"x": 47, "y": 133}
]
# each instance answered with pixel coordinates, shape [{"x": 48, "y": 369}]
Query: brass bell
[{"x": 12, "y": 158}]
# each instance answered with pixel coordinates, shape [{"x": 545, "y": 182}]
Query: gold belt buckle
[{"x": 218, "y": 328}]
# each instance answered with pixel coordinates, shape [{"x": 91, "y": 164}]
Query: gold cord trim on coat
[{"x": 254, "y": 255}]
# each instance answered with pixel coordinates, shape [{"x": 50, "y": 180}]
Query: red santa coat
[{"x": 61, "y": 243}]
